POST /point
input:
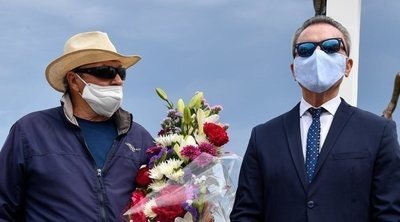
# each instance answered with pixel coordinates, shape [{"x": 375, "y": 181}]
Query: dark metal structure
[
  {"x": 387, "y": 113},
  {"x": 320, "y": 7}
]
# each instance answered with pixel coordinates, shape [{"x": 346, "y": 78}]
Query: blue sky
[{"x": 236, "y": 52}]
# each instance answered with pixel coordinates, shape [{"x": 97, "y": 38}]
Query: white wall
[{"x": 348, "y": 13}]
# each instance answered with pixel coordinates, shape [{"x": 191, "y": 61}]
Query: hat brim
[{"x": 56, "y": 70}]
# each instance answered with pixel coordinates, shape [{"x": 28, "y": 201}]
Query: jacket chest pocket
[
  {"x": 351, "y": 155},
  {"x": 351, "y": 168}
]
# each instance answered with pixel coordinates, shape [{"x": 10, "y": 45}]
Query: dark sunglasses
[
  {"x": 306, "y": 49},
  {"x": 104, "y": 72}
]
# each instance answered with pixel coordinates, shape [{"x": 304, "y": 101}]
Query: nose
[{"x": 117, "y": 81}]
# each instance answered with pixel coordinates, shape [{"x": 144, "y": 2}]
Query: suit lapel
[
  {"x": 291, "y": 123},
  {"x": 340, "y": 120}
]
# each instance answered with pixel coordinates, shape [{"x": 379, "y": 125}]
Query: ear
[
  {"x": 72, "y": 81},
  {"x": 349, "y": 65},
  {"x": 292, "y": 70}
]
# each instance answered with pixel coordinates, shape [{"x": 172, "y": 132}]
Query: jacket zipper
[
  {"x": 99, "y": 174},
  {"x": 101, "y": 196},
  {"x": 100, "y": 184},
  {"x": 102, "y": 193}
]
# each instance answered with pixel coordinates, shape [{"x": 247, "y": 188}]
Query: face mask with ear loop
[
  {"x": 104, "y": 100},
  {"x": 320, "y": 71}
]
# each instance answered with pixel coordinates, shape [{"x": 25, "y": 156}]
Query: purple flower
[
  {"x": 156, "y": 157},
  {"x": 192, "y": 192},
  {"x": 154, "y": 150},
  {"x": 190, "y": 152},
  {"x": 170, "y": 152},
  {"x": 216, "y": 109},
  {"x": 192, "y": 210},
  {"x": 171, "y": 112},
  {"x": 209, "y": 148},
  {"x": 203, "y": 160}
]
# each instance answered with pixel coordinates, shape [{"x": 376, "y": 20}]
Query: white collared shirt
[{"x": 326, "y": 120}]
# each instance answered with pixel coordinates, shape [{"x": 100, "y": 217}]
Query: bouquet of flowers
[{"x": 187, "y": 177}]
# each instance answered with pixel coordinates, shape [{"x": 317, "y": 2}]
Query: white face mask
[
  {"x": 320, "y": 71},
  {"x": 104, "y": 100}
]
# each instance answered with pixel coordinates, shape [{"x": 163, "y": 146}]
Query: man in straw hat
[{"x": 76, "y": 162}]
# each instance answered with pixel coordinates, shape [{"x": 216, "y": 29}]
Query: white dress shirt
[{"x": 326, "y": 120}]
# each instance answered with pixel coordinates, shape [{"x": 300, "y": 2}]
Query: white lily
[
  {"x": 200, "y": 138},
  {"x": 180, "y": 105},
  {"x": 177, "y": 148},
  {"x": 200, "y": 119},
  {"x": 188, "y": 140},
  {"x": 212, "y": 119},
  {"x": 195, "y": 102}
]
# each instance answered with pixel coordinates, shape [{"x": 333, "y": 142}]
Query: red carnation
[
  {"x": 138, "y": 200},
  {"x": 168, "y": 213},
  {"x": 169, "y": 203},
  {"x": 215, "y": 134},
  {"x": 139, "y": 217},
  {"x": 137, "y": 196},
  {"x": 143, "y": 177}
]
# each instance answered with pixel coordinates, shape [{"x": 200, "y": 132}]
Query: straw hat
[{"x": 81, "y": 49}]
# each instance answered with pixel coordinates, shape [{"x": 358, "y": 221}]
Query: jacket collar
[{"x": 122, "y": 118}]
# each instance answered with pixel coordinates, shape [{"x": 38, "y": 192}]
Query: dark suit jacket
[{"x": 357, "y": 176}]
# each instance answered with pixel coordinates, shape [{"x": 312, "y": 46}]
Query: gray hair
[{"x": 327, "y": 20}]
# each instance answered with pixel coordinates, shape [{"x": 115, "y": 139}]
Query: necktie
[{"x": 313, "y": 140}]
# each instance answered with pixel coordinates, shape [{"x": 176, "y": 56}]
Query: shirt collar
[{"x": 331, "y": 106}]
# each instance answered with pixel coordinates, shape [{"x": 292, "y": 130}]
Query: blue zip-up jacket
[{"x": 48, "y": 174}]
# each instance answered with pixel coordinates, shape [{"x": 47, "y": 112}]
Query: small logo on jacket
[{"x": 132, "y": 148}]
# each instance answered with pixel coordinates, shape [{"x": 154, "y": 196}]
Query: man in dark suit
[{"x": 324, "y": 160}]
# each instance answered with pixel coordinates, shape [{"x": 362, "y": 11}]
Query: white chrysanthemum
[
  {"x": 169, "y": 167},
  {"x": 177, "y": 175},
  {"x": 158, "y": 185},
  {"x": 166, "y": 168},
  {"x": 168, "y": 140},
  {"x": 147, "y": 209},
  {"x": 156, "y": 173},
  {"x": 175, "y": 163}
]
